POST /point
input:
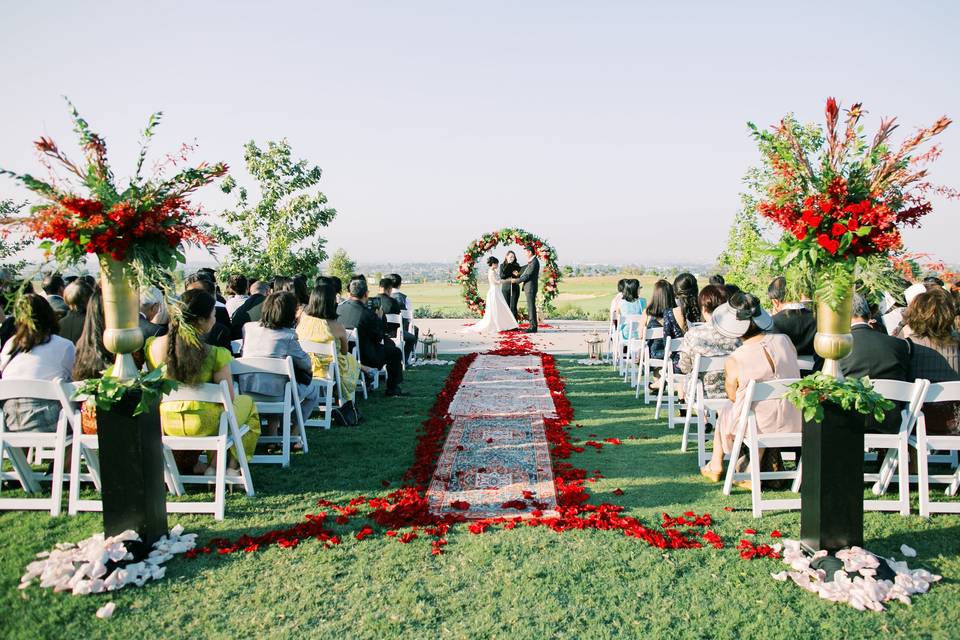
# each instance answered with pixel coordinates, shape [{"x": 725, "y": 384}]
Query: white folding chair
[
  {"x": 85, "y": 452},
  {"x": 748, "y": 434},
  {"x": 927, "y": 444},
  {"x": 13, "y": 443},
  {"x": 397, "y": 319},
  {"x": 649, "y": 363},
  {"x": 236, "y": 346},
  {"x": 806, "y": 363},
  {"x": 623, "y": 345},
  {"x": 893, "y": 469},
  {"x": 699, "y": 404},
  {"x": 329, "y": 385},
  {"x": 352, "y": 339},
  {"x": 287, "y": 406},
  {"x": 229, "y": 437},
  {"x": 671, "y": 381}
]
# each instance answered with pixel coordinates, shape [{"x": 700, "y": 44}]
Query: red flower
[
  {"x": 750, "y": 532},
  {"x": 827, "y": 243},
  {"x": 837, "y": 230},
  {"x": 775, "y": 534},
  {"x": 364, "y": 533},
  {"x": 617, "y": 492}
]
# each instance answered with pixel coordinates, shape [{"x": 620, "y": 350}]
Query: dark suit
[
  {"x": 511, "y": 292},
  {"x": 150, "y": 329},
  {"x": 218, "y": 336},
  {"x": 530, "y": 278},
  {"x": 410, "y": 338},
  {"x": 800, "y": 325},
  {"x": 249, "y": 311},
  {"x": 222, "y": 315},
  {"x": 71, "y": 325},
  {"x": 879, "y": 356},
  {"x": 376, "y": 350}
]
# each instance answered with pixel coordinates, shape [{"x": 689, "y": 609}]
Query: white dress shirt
[{"x": 48, "y": 361}]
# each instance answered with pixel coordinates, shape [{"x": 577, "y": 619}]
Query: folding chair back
[
  {"x": 748, "y": 434},
  {"x": 671, "y": 382},
  {"x": 397, "y": 319},
  {"x": 330, "y": 384},
  {"x": 352, "y": 339},
  {"x": 648, "y": 362},
  {"x": 287, "y": 406},
  {"x": 13, "y": 443},
  {"x": 806, "y": 363},
  {"x": 926, "y": 444},
  {"x": 699, "y": 404}
]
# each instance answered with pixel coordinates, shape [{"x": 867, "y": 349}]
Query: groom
[{"x": 530, "y": 278}]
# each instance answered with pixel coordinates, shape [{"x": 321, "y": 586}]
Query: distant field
[{"x": 589, "y": 295}]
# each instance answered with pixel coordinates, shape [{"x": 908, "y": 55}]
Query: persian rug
[{"x": 495, "y": 461}]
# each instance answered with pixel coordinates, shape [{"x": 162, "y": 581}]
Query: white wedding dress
[{"x": 497, "y": 316}]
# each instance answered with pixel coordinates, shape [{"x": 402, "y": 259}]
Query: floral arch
[{"x": 549, "y": 270}]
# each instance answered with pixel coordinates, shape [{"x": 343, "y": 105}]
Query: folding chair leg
[
  {"x": 904, "y": 487},
  {"x": 221, "y": 479},
  {"x": 73, "y": 492},
  {"x": 798, "y": 481},
  {"x": 923, "y": 479},
  {"x": 734, "y": 454},
  {"x": 56, "y": 489},
  {"x": 171, "y": 473},
  {"x": 285, "y": 445},
  {"x": 754, "y": 478}
]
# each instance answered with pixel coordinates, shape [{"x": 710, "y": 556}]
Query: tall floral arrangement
[
  {"x": 843, "y": 198},
  {"x": 86, "y": 211}
]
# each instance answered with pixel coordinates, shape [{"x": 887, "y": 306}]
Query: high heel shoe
[{"x": 710, "y": 474}]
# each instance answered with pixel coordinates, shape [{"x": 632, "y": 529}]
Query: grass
[
  {"x": 589, "y": 295},
  {"x": 525, "y": 583}
]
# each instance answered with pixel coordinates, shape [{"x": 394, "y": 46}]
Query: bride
[{"x": 497, "y": 316}]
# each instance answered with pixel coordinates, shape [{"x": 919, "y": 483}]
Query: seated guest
[
  {"x": 717, "y": 280},
  {"x": 53, "y": 286},
  {"x": 319, "y": 324},
  {"x": 76, "y": 295},
  {"x": 677, "y": 321},
  {"x": 275, "y": 337},
  {"x": 631, "y": 304},
  {"x": 731, "y": 289},
  {"x": 792, "y": 319},
  {"x": 935, "y": 354},
  {"x": 878, "y": 356},
  {"x": 301, "y": 291},
  {"x": 376, "y": 350},
  {"x": 762, "y": 357},
  {"x": 219, "y": 334},
  {"x": 151, "y": 303},
  {"x": 201, "y": 280},
  {"x": 236, "y": 292},
  {"x": 392, "y": 306},
  {"x": 411, "y": 337},
  {"x": 250, "y": 310},
  {"x": 190, "y": 362},
  {"x": 705, "y": 340},
  {"x": 615, "y": 303},
  {"x": 9, "y": 326},
  {"x": 93, "y": 360},
  {"x": 35, "y": 352},
  {"x": 211, "y": 275},
  {"x": 911, "y": 292},
  {"x": 338, "y": 287},
  {"x": 661, "y": 301}
]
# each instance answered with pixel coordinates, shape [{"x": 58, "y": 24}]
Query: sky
[{"x": 615, "y": 130}]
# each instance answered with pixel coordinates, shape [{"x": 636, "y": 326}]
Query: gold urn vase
[
  {"x": 834, "y": 340},
  {"x": 121, "y": 314}
]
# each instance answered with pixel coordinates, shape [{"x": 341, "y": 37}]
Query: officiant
[{"x": 510, "y": 269}]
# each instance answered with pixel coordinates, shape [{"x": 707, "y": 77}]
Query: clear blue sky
[{"x": 614, "y": 129}]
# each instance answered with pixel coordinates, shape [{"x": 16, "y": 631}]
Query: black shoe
[{"x": 397, "y": 393}]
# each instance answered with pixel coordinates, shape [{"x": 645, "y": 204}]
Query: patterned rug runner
[{"x": 495, "y": 461}]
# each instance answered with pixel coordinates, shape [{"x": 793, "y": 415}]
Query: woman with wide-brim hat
[{"x": 762, "y": 356}]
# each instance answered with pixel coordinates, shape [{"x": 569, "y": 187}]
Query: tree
[
  {"x": 279, "y": 234},
  {"x": 9, "y": 244},
  {"x": 341, "y": 266}
]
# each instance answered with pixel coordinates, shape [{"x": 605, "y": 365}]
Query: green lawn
[
  {"x": 524, "y": 583},
  {"x": 591, "y": 295}
]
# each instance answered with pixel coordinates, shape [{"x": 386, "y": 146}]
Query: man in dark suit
[
  {"x": 793, "y": 319},
  {"x": 530, "y": 279},
  {"x": 376, "y": 350},
  {"x": 391, "y": 306},
  {"x": 250, "y": 310},
  {"x": 150, "y": 300},
  {"x": 220, "y": 333},
  {"x": 410, "y": 337},
  {"x": 510, "y": 290},
  {"x": 53, "y": 286},
  {"x": 877, "y": 355}
]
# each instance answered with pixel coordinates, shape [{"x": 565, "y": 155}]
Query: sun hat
[{"x": 733, "y": 324}]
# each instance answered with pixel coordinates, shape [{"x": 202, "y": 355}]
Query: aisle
[{"x": 495, "y": 461}]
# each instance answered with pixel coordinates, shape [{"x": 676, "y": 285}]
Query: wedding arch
[{"x": 549, "y": 270}]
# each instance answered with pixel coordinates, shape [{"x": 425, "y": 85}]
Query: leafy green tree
[
  {"x": 341, "y": 265},
  {"x": 280, "y": 233},
  {"x": 10, "y": 245}
]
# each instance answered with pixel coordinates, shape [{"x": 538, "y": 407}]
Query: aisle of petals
[{"x": 404, "y": 514}]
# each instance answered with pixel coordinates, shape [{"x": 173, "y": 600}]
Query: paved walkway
[{"x": 564, "y": 337}]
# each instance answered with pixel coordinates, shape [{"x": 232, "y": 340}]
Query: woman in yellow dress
[
  {"x": 190, "y": 361},
  {"x": 319, "y": 324}
]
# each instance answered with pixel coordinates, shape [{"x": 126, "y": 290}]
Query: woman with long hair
[
  {"x": 319, "y": 324},
  {"x": 93, "y": 360},
  {"x": 677, "y": 321},
  {"x": 661, "y": 301},
  {"x": 631, "y": 304},
  {"x": 190, "y": 361},
  {"x": 35, "y": 352}
]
